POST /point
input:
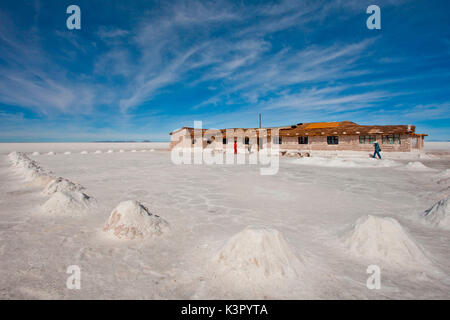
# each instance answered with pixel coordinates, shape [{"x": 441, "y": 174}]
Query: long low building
[{"x": 318, "y": 136}]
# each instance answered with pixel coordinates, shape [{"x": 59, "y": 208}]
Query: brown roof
[{"x": 345, "y": 127}]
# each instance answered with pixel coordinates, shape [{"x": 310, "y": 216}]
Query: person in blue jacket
[{"x": 377, "y": 150}]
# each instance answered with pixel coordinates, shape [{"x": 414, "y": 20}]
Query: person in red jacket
[{"x": 235, "y": 147}]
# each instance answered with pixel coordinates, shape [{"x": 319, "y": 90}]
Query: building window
[
  {"x": 302, "y": 140},
  {"x": 367, "y": 139},
  {"x": 333, "y": 140},
  {"x": 391, "y": 139},
  {"x": 247, "y": 140},
  {"x": 277, "y": 140},
  {"x": 224, "y": 141}
]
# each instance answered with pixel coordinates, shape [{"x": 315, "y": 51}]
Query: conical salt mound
[
  {"x": 439, "y": 214},
  {"x": 130, "y": 220},
  {"x": 61, "y": 185},
  {"x": 257, "y": 254},
  {"x": 384, "y": 239},
  {"x": 67, "y": 204}
]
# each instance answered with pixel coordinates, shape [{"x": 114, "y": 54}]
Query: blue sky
[{"x": 140, "y": 69}]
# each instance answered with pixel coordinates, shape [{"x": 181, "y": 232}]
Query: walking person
[
  {"x": 377, "y": 150},
  {"x": 235, "y": 147}
]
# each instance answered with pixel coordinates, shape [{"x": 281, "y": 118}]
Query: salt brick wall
[
  {"x": 346, "y": 142},
  {"x": 182, "y": 139}
]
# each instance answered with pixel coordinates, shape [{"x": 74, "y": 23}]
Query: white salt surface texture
[
  {"x": 51, "y": 153},
  {"x": 206, "y": 205},
  {"x": 67, "y": 152},
  {"x": 35, "y": 153},
  {"x": 110, "y": 151},
  {"x": 98, "y": 151},
  {"x": 383, "y": 239},
  {"x": 439, "y": 214},
  {"x": 131, "y": 220},
  {"x": 84, "y": 152}
]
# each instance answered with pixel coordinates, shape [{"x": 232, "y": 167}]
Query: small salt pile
[{"x": 131, "y": 220}]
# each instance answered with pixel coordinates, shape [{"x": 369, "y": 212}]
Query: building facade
[{"x": 319, "y": 136}]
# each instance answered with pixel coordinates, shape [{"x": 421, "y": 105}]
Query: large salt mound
[
  {"x": 439, "y": 214},
  {"x": 84, "y": 152},
  {"x": 61, "y": 185},
  {"x": 98, "y": 151},
  {"x": 130, "y": 220},
  {"x": 257, "y": 255},
  {"x": 36, "y": 153},
  {"x": 67, "y": 204},
  {"x": 384, "y": 239}
]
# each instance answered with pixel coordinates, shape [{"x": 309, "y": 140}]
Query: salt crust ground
[{"x": 208, "y": 208}]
